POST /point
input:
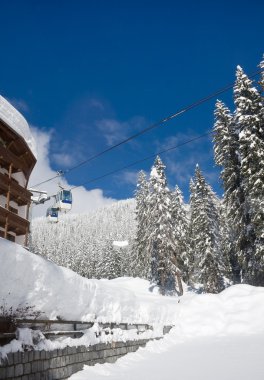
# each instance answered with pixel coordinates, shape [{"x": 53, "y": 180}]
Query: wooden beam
[
  {"x": 6, "y": 227},
  {"x": 27, "y": 233},
  {"x": 9, "y": 187}
]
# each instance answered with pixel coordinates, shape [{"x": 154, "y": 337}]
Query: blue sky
[{"x": 91, "y": 73}]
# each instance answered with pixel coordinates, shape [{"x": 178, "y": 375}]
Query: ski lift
[
  {"x": 52, "y": 214},
  {"x": 63, "y": 200}
]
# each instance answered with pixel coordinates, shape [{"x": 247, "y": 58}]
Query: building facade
[{"x": 17, "y": 159}]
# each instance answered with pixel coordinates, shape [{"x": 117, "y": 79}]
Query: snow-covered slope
[{"x": 84, "y": 243}]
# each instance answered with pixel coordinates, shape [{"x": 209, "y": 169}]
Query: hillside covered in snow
[{"x": 85, "y": 242}]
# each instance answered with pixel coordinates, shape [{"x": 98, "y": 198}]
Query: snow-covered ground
[
  {"x": 204, "y": 358},
  {"x": 218, "y": 337},
  {"x": 215, "y": 336}
]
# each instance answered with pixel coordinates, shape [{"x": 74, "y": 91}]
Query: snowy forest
[{"x": 209, "y": 243}]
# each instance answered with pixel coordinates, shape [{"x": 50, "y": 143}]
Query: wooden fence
[{"x": 52, "y": 329}]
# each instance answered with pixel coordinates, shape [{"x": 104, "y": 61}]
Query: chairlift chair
[
  {"x": 52, "y": 214},
  {"x": 63, "y": 200}
]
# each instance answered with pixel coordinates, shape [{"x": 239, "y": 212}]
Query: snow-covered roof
[{"x": 14, "y": 119}]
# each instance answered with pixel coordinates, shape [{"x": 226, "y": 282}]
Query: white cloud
[
  {"x": 83, "y": 200},
  {"x": 63, "y": 159},
  {"x": 115, "y": 131},
  {"x": 129, "y": 177}
]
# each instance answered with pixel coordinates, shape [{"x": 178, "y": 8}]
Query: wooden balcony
[
  {"x": 18, "y": 194},
  {"x": 9, "y": 236},
  {"x": 8, "y": 158},
  {"x": 13, "y": 149},
  {"x": 14, "y": 222}
]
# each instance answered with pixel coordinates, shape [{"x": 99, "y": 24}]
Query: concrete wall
[{"x": 60, "y": 364}]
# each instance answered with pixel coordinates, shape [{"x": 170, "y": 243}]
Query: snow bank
[
  {"x": 237, "y": 310},
  {"x": 16, "y": 121},
  {"x": 58, "y": 292}
]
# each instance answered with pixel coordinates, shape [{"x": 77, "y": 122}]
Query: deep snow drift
[
  {"x": 27, "y": 279},
  {"x": 215, "y": 336}
]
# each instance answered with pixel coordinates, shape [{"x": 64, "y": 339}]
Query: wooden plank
[
  {"x": 7, "y": 335},
  {"x": 51, "y": 322},
  {"x": 76, "y": 334}
]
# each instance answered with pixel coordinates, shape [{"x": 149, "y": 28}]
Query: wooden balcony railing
[
  {"x": 8, "y": 158},
  {"x": 12, "y": 222},
  {"x": 18, "y": 194}
]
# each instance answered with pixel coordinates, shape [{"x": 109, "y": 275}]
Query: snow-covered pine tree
[
  {"x": 142, "y": 264},
  {"x": 228, "y": 262},
  {"x": 190, "y": 233},
  {"x": 179, "y": 220},
  {"x": 261, "y": 65},
  {"x": 249, "y": 120},
  {"x": 84, "y": 243},
  {"x": 161, "y": 230},
  {"x": 226, "y": 156},
  {"x": 205, "y": 239}
]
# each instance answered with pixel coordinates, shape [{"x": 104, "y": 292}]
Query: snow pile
[
  {"x": 27, "y": 279},
  {"x": 237, "y": 310},
  {"x": 16, "y": 121}
]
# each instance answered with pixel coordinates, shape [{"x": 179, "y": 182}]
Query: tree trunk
[{"x": 179, "y": 281}]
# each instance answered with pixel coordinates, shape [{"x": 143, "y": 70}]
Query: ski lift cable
[
  {"x": 143, "y": 160},
  {"x": 147, "y": 129}
]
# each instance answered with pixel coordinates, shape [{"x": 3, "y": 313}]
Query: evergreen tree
[
  {"x": 111, "y": 265},
  {"x": 228, "y": 262},
  {"x": 205, "y": 239},
  {"x": 91, "y": 254},
  {"x": 239, "y": 149},
  {"x": 226, "y": 147},
  {"x": 161, "y": 230},
  {"x": 179, "y": 220},
  {"x": 249, "y": 120},
  {"x": 261, "y": 65},
  {"x": 142, "y": 264}
]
